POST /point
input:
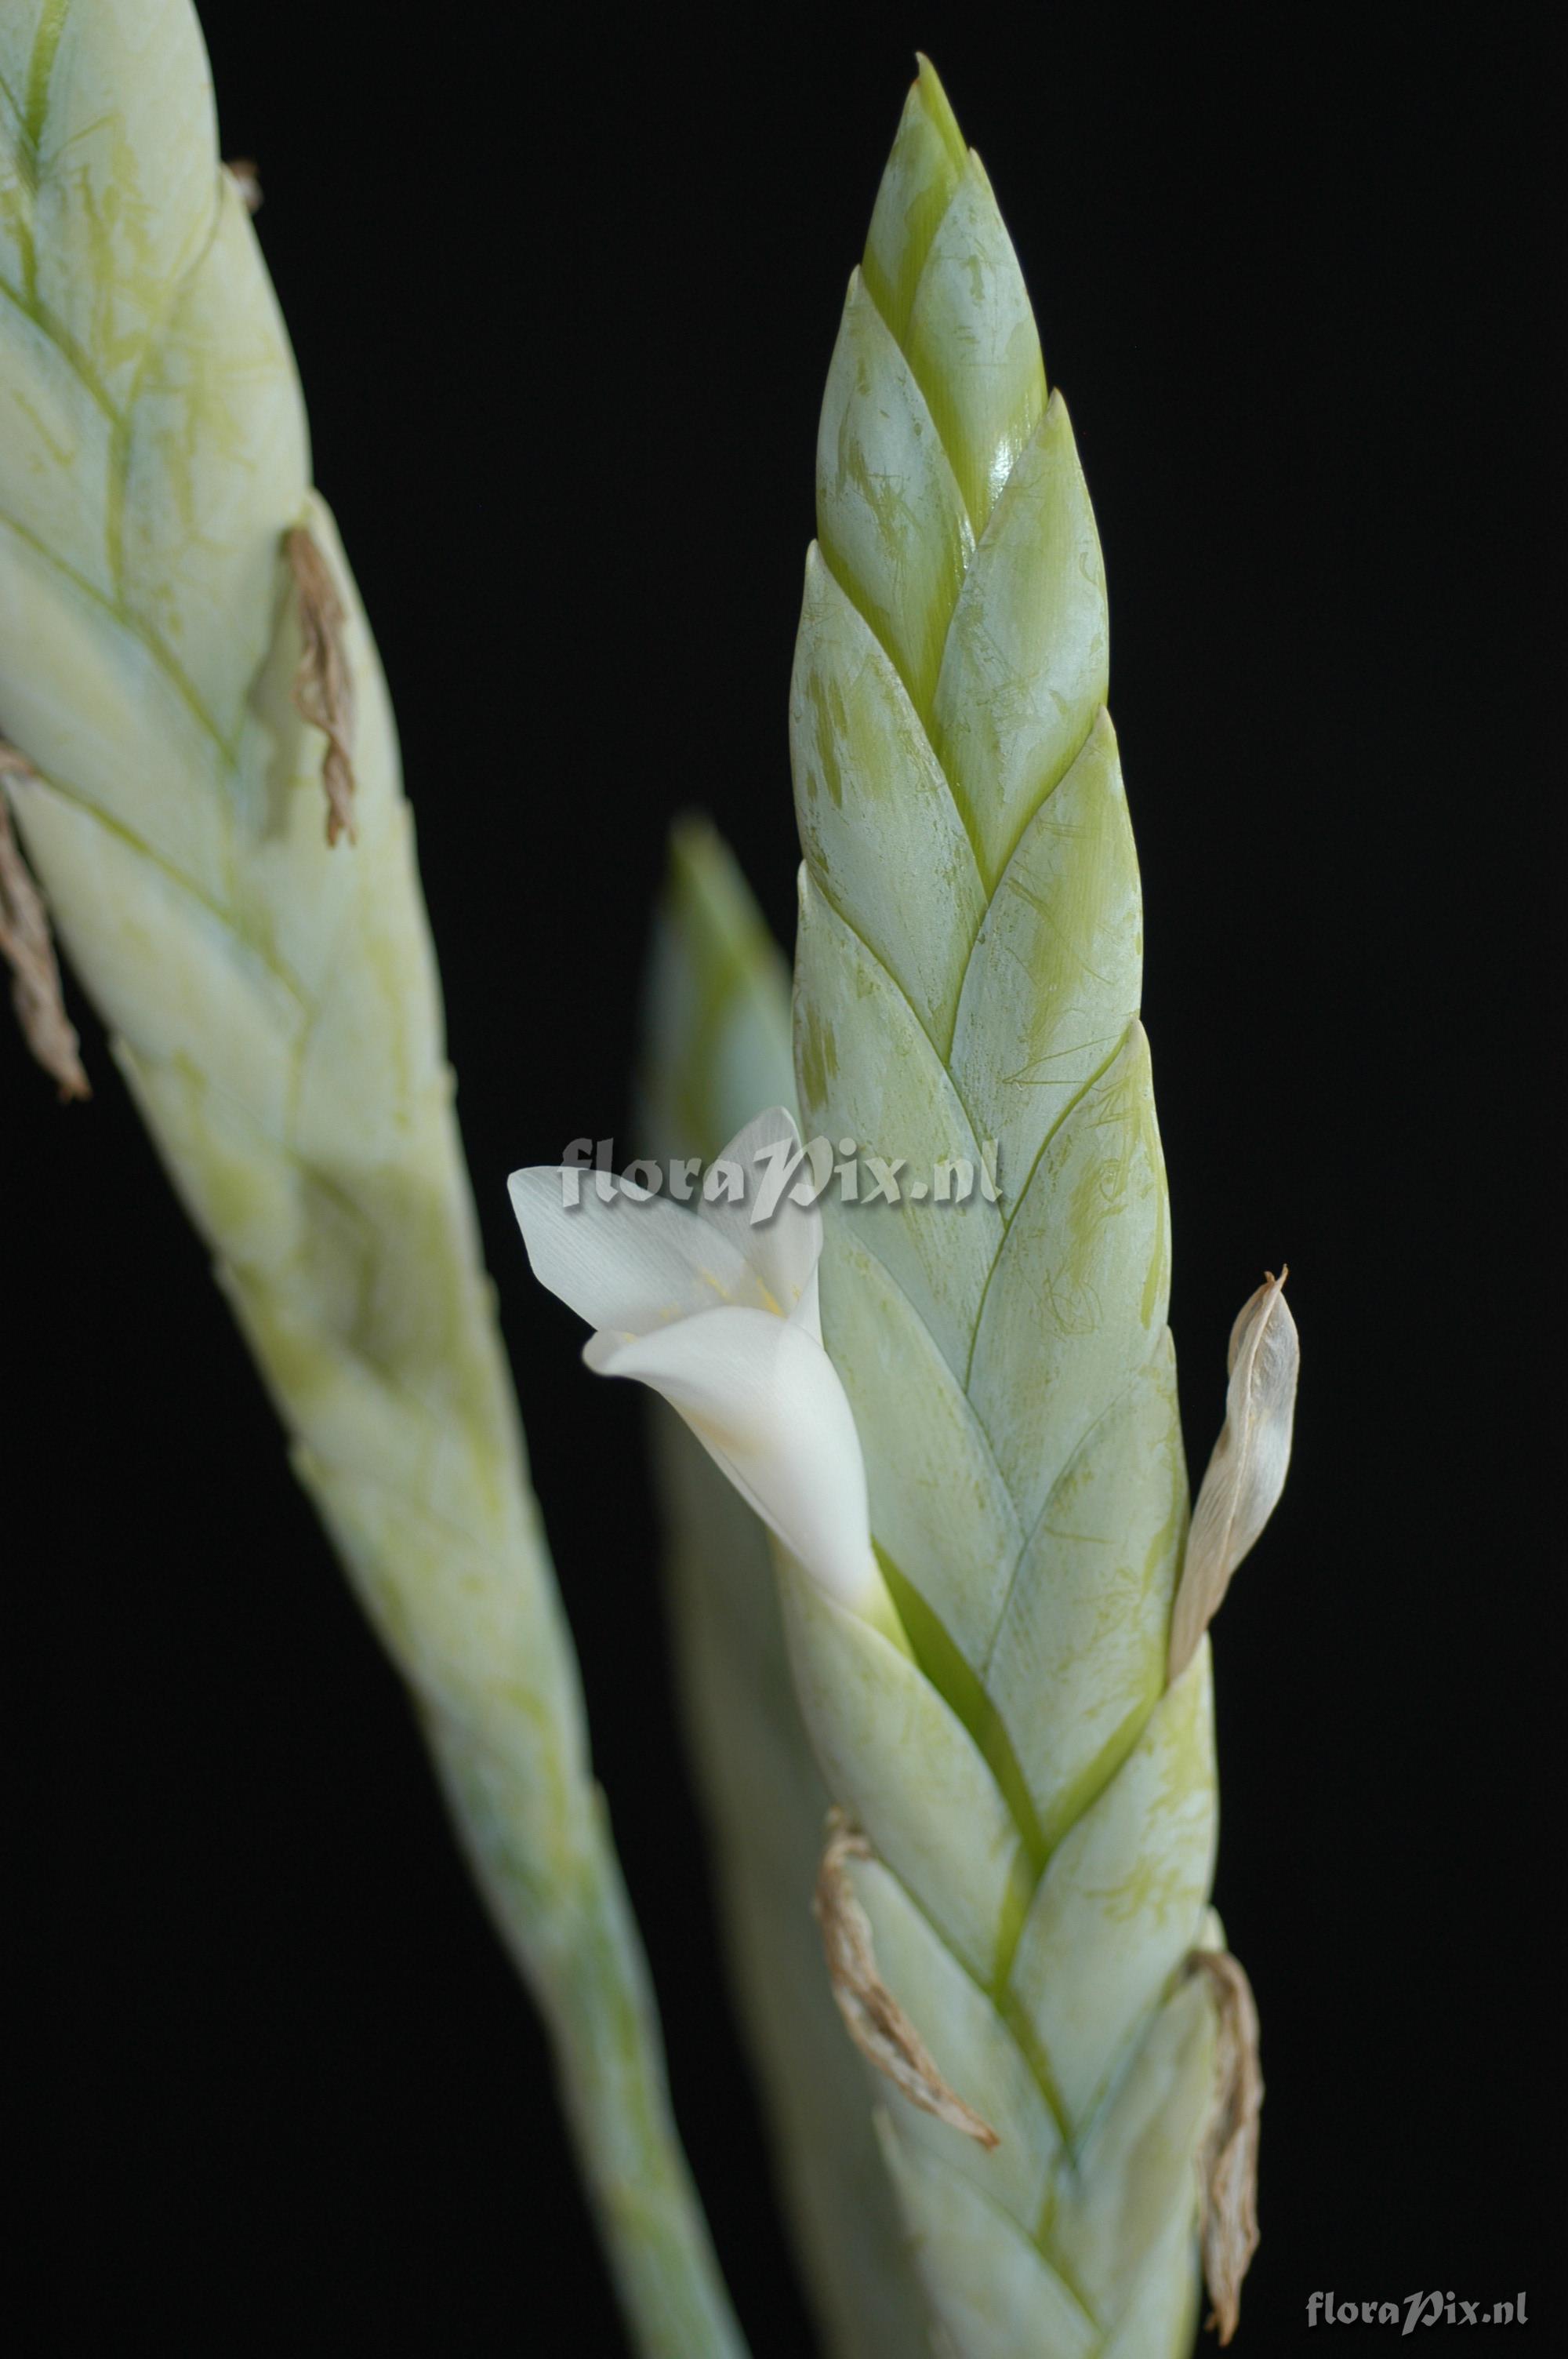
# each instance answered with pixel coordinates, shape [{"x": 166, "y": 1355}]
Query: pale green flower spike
[
  {"x": 274, "y": 1005},
  {"x": 717, "y": 1043},
  {"x": 718, "y": 1047},
  {"x": 1037, "y": 1805}
]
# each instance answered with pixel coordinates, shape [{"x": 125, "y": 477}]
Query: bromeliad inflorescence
[{"x": 968, "y": 1705}]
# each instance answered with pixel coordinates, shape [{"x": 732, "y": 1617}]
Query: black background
[{"x": 563, "y": 305}]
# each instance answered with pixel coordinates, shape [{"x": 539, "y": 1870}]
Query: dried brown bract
[
  {"x": 245, "y": 173},
  {"x": 27, "y": 946},
  {"x": 1247, "y": 1472},
  {"x": 1227, "y": 2159},
  {"x": 876, "y": 2023},
  {"x": 323, "y": 685}
]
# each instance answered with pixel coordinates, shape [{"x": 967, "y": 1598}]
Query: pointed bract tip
[
  {"x": 693, "y": 840},
  {"x": 705, "y": 896},
  {"x": 927, "y": 92}
]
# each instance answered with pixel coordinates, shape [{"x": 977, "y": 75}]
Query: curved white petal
[
  {"x": 632, "y": 1264},
  {"x": 766, "y": 1400},
  {"x": 785, "y": 1249}
]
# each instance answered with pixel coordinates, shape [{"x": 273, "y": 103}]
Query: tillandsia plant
[
  {"x": 201, "y": 762},
  {"x": 930, "y": 1351}
]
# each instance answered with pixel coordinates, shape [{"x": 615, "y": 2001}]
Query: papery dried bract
[
  {"x": 1228, "y": 2165},
  {"x": 324, "y": 685},
  {"x": 873, "y": 2017},
  {"x": 1247, "y": 1472},
  {"x": 27, "y": 945}
]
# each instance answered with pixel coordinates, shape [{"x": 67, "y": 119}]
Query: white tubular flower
[{"x": 719, "y": 1313}]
